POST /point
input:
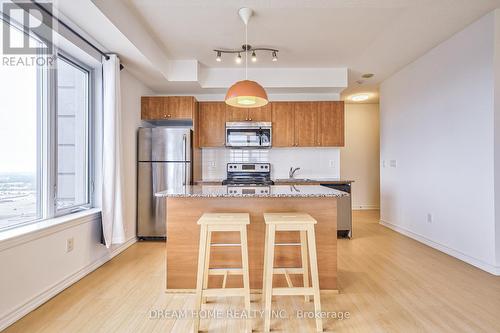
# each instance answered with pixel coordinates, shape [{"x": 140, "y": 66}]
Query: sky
[{"x": 18, "y": 115}]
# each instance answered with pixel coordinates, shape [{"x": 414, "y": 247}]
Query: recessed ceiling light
[
  {"x": 367, "y": 75},
  {"x": 359, "y": 97}
]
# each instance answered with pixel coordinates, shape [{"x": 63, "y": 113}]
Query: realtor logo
[{"x": 33, "y": 21}]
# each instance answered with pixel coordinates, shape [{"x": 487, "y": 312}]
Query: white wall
[
  {"x": 497, "y": 133},
  {"x": 437, "y": 144},
  {"x": 36, "y": 267},
  {"x": 313, "y": 162},
  {"x": 132, "y": 90},
  {"x": 359, "y": 159}
]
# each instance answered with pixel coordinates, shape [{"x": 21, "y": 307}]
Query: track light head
[
  {"x": 254, "y": 57},
  {"x": 275, "y": 56},
  {"x": 219, "y": 57},
  {"x": 238, "y": 58}
]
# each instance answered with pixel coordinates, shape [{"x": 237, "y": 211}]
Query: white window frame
[
  {"x": 47, "y": 136},
  {"x": 89, "y": 133}
]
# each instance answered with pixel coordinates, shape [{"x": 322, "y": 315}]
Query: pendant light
[{"x": 246, "y": 93}]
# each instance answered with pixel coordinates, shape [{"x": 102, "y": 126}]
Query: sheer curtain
[{"x": 112, "y": 175}]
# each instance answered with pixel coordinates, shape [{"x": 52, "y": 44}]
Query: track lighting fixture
[{"x": 275, "y": 56}]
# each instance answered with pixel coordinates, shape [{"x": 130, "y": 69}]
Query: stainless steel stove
[
  {"x": 242, "y": 189},
  {"x": 248, "y": 174}
]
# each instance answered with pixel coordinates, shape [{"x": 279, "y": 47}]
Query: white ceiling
[{"x": 374, "y": 36}]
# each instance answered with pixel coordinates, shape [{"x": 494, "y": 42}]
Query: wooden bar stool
[
  {"x": 304, "y": 224},
  {"x": 221, "y": 222}
]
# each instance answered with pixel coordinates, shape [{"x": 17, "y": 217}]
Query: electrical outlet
[
  {"x": 70, "y": 244},
  {"x": 211, "y": 164},
  {"x": 331, "y": 163},
  {"x": 393, "y": 163},
  {"x": 429, "y": 218}
]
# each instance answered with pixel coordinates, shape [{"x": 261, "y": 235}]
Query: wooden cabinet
[
  {"x": 262, "y": 113},
  {"x": 167, "y": 107},
  {"x": 248, "y": 114},
  {"x": 331, "y": 124},
  {"x": 236, "y": 114},
  {"x": 283, "y": 117},
  {"x": 295, "y": 124},
  {"x": 212, "y": 124},
  {"x": 306, "y": 124},
  {"x": 151, "y": 107}
]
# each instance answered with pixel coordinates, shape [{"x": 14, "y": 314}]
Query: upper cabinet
[
  {"x": 283, "y": 118},
  {"x": 212, "y": 124},
  {"x": 331, "y": 124},
  {"x": 262, "y": 113},
  {"x": 308, "y": 124},
  {"x": 235, "y": 114},
  {"x": 167, "y": 107},
  {"x": 295, "y": 124}
]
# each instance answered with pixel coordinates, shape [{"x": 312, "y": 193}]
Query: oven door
[{"x": 241, "y": 135}]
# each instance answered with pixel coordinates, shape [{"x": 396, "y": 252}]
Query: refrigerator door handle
[{"x": 184, "y": 143}]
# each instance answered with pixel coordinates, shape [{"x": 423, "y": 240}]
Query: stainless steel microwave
[{"x": 248, "y": 134}]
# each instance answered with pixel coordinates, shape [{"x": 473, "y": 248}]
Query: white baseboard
[
  {"x": 495, "y": 270},
  {"x": 44, "y": 296},
  {"x": 365, "y": 207}
]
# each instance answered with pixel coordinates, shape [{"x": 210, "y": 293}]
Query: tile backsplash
[{"x": 313, "y": 162}]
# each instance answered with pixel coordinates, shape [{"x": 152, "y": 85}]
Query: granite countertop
[
  {"x": 314, "y": 181},
  {"x": 287, "y": 181},
  {"x": 274, "y": 191}
]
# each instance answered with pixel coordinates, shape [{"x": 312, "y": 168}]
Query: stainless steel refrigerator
[{"x": 164, "y": 161}]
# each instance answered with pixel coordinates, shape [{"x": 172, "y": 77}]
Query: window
[
  {"x": 45, "y": 138},
  {"x": 20, "y": 142},
  {"x": 72, "y": 135}
]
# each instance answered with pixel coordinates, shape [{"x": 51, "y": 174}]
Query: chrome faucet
[{"x": 292, "y": 172}]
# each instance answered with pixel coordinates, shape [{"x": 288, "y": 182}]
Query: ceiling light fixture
[
  {"x": 359, "y": 97},
  {"x": 245, "y": 14},
  {"x": 246, "y": 93},
  {"x": 254, "y": 57}
]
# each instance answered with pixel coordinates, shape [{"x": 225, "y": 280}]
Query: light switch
[{"x": 393, "y": 164}]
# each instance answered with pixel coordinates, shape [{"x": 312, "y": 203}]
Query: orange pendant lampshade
[{"x": 246, "y": 94}]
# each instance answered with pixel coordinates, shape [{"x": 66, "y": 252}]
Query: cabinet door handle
[{"x": 250, "y": 119}]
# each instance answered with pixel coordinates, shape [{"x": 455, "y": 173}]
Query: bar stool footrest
[
  {"x": 222, "y": 271},
  {"x": 291, "y": 270},
  {"x": 295, "y": 291},
  {"x": 223, "y": 292}
]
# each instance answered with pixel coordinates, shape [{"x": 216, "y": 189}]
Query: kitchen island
[{"x": 185, "y": 205}]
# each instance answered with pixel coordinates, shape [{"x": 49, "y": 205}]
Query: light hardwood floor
[{"x": 389, "y": 283}]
